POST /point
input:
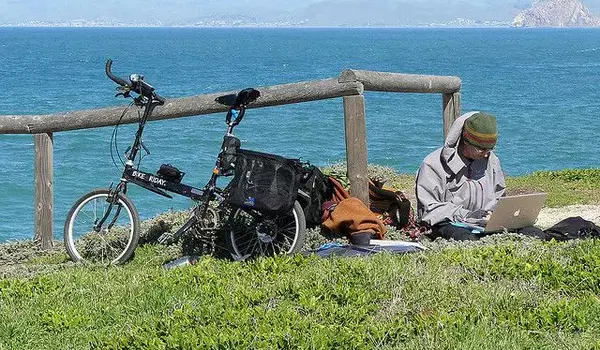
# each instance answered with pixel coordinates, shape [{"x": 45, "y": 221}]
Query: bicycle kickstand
[{"x": 169, "y": 237}]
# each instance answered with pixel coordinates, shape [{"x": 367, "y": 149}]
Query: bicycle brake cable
[
  {"x": 141, "y": 153},
  {"x": 113, "y": 139}
]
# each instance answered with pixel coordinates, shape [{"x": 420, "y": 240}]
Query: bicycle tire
[
  {"x": 116, "y": 240},
  {"x": 251, "y": 234}
]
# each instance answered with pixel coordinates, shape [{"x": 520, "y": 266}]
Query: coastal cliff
[{"x": 556, "y": 13}]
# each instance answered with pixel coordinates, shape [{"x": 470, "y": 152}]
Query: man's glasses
[{"x": 479, "y": 149}]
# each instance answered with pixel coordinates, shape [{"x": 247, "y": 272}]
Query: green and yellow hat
[{"x": 481, "y": 130}]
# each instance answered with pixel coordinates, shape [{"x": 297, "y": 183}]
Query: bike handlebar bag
[
  {"x": 231, "y": 145},
  {"x": 264, "y": 182},
  {"x": 171, "y": 173}
]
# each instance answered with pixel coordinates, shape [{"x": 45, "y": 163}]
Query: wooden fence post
[
  {"x": 44, "y": 186},
  {"x": 356, "y": 146},
  {"x": 452, "y": 110}
]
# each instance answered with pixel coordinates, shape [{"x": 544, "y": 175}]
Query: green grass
[
  {"x": 515, "y": 294},
  {"x": 506, "y": 292},
  {"x": 565, "y": 187}
]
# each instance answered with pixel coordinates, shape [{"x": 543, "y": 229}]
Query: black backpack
[
  {"x": 572, "y": 228},
  {"x": 313, "y": 190}
]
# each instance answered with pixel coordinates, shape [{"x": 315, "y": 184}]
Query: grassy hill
[{"x": 505, "y": 291}]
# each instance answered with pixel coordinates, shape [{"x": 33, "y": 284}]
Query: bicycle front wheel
[
  {"x": 252, "y": 233},
  {"x": 110, "y": 242}
]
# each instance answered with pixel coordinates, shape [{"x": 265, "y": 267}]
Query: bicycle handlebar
[
  {"x": 112, "y": 76},
  {"x": 137, "y": 84}
]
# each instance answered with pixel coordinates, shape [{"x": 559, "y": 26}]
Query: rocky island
[{"x": 556, "y": 13}]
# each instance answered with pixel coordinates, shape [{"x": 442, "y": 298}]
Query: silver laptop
[{"x": 513, "y": 212}]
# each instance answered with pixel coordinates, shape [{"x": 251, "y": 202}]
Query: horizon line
[{"x": 295, "y": 27}]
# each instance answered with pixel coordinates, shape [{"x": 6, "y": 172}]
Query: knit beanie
[{"x": 480, "y": 130}]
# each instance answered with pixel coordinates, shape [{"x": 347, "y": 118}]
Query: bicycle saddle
[{"x": 241, "y": 98}]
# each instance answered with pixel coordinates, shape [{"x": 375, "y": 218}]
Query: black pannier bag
[
  {"x": 264, "y": 182},
  {"x": 314, "y": 189},
  {"x": 171, "y": 173}
]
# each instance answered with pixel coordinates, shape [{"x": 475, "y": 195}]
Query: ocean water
[{"x": 543, "y": 85}]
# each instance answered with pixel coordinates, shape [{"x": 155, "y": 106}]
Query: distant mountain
[
  {"x": 406, "y": 12},
  {"x": 288, "y": 12},
  {"x": 556, "y": 13}
]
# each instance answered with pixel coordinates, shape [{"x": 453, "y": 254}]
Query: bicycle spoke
[
  {"x": 248, "y": 247},
  {"x": 244, "y": 234},
  {"x": 287, "y": 223},
  {"x": 95, "y": 208},
  {"x": 289, "y": 233},
  {"x": 280, "y": 248},
  {"x": 288, "y": 240},
  {"x": 267, "y": 246},
  {"x": 93, "y": 217},
  {"x": 285, "y": 242}
]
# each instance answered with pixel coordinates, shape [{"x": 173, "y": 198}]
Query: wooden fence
[{"x": 350, "y": 85}]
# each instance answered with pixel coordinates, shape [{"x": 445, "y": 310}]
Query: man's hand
[
  {"x": 479, "y": 217},
  {"x": 486, "y": 217}
]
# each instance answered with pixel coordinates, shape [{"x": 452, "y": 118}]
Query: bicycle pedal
[{"x": 165, "y": 238}]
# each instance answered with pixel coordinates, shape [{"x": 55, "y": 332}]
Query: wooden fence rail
[{"x": 350, "y": 85}]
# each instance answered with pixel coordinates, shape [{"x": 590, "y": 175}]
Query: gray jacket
[{"x": 452, "y": 188}]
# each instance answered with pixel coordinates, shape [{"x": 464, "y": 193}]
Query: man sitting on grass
[{"x": 462, "y": 181}]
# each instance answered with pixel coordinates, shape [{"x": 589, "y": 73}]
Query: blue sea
[{"x": 543, "y": 85}]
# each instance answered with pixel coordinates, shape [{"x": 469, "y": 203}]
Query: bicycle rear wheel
[
  {"x": 111, "y": 243},
  {"x": 251, "y": 233}
]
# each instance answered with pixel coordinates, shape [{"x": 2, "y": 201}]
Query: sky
[{"x": 313, "y": 12}]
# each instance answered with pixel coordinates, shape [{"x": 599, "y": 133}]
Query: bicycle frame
[
  {"x": 149, "y": 100},
  {"x": 160, "y": 185}
]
